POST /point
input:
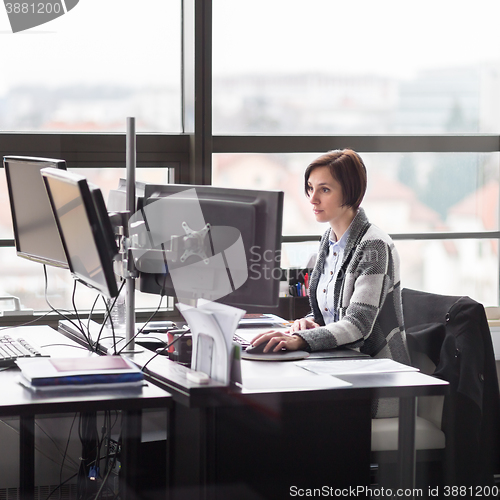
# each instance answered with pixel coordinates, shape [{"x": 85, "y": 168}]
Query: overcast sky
[
  {"x": 384, "y": 36},
  {"x": 137, "y": 41}
]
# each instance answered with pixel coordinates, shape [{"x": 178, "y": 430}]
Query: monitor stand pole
[{"x": 130, "y": 272}]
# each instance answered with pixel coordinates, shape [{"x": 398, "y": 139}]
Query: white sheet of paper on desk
[
  {"x": 210, "y": 359},
  {"x": 354, "y": 366},
  {"x": 226, "y": 316},
  {"x": 212, "y": 326},
  {"x": 294, "y": 383}
]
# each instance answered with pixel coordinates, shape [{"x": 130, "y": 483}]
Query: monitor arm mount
[
  {"x": 190, "y": 243},
  {"x": 194, "y": 242},
  {"x": 149, "y": 257},
  {"x": 123, "y": 262}
]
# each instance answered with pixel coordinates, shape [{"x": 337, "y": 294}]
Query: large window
[
  {"x": 90, "y": 68},
  {"x": 363, "y": 66}
]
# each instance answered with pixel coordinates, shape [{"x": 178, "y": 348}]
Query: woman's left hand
[{"x": 277, "y": 340}]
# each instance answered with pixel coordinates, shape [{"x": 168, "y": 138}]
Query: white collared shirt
[{"x": 326, "y": 283}]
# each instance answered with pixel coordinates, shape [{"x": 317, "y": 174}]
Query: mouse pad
[{"x": 278, "y": 356}]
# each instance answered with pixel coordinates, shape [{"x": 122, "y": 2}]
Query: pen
[
  {"x": 306, "y": 281},
  {"x": 299, "y": 290}
]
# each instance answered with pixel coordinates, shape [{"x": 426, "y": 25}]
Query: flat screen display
[
  {"x": 220, "y": 244},
  {"x": 84, "y": 228},
  {"x": 35, "y": 230}
]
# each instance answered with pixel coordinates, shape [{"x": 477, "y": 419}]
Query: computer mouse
[{"x": 259, "y": 349}]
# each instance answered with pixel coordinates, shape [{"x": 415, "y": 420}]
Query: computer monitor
[
  {"x": 221, "y": 244},
  {"x": 85, "y": 229},
  {"x": 35, "y": 230}
]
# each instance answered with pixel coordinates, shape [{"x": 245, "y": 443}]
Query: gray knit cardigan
[{"x": 367, "y": 298}]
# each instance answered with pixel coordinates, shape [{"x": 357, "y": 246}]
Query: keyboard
[
  {"x": 240, "y": 340},
  {"x": 12, "y": 349}
]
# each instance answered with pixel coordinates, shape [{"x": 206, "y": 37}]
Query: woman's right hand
[{"x": 303, "y": 324}]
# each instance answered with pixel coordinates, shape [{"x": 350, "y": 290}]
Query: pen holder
[{"x": 292, "y": 308}]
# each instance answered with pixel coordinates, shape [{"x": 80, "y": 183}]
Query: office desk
[
  {"x": 275, "y": 433},
  {"x": 284, "y": 423},
  {"x": 19, "y": 401}
]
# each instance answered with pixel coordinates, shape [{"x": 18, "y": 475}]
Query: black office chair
[{"x": 449, "y": 337}]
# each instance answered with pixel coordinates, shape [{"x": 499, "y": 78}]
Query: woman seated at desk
[{"x": 355, "y": 292}]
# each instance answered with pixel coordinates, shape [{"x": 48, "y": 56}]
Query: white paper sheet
[
  {"x": 354, "y": 366},
  {"x": 212, "y": 326},
  {"x": 294, "y": 383}
]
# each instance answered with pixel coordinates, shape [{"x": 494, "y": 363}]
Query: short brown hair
[{"x": 348, "y": 169}]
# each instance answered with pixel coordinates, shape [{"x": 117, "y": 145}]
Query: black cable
[
  {"x": 61, "y": 485},
  {"x": 75, "y": 346},
  {"x": 106, "y": 436},
  {"x": 61, "y": 482},
  {"x": 89, "y": 438},
  {"x": 165, "y": 348},
  {"x": 107, "y": 424},
  {"x": 105, "y": 479},
  {"x": 152, "y": 316},
  {"x": 76, "y": 311},
  {"x": 150, "y": 337},
  {"x": 27, "y": 323},
  {"x": 46, "y": 279},
  {"x": 165, "y": 263},
  {"x": 81, "y": 330},
  {"x": 107, "y": 337},
  {"x": 144, "y": 326},
  {"x": 89, "y": 319},
  {"x": 103, "y": 434},
  {"x": 94, "y": 345},
  {"x": 108, "y": 316},
  {"x": 50, "y": 438}
]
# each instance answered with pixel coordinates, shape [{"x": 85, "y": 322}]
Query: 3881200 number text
[
  {"x": 33, "y": 8},
  {"x": 471, "y": 491}
]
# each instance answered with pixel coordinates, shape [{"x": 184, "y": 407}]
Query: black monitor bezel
[
  {"x": 100, "y": 226},
  {"x": 268, "y": 298},
  {"x": 42, "y": 163}
]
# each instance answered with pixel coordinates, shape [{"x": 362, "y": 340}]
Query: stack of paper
[
  {"x": 212, "y": 326},
  {"x": 263, "y": 319},
  {"x": 92, "y": 371}
]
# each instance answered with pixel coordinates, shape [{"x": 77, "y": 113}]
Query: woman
[{"x": 355, "y": 293}]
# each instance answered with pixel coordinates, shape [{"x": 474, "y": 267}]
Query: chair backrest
[{"x": 452, "y": 332}]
